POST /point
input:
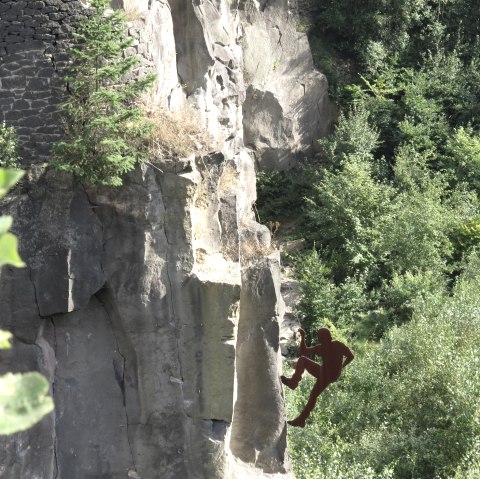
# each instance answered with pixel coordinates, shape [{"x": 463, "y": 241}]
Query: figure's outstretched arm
[
  {"x": 348, "y": 356},
  {"x": 304, "y": 349}
]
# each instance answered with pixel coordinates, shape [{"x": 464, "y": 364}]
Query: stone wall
[{"x": 33, "y": 41}]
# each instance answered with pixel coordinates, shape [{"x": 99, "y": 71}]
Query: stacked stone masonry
[{"x": 34, "y": 37}]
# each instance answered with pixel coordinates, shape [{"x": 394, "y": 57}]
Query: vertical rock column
[{"x": 259, "y": 428}]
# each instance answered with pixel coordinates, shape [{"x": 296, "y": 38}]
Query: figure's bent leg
[
  {"x": 312, "y": 400},
  {"x": 303, "y": 364},
  {"x": 288, "y": 382}
]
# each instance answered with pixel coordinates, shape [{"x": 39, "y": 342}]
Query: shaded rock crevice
[
  {"x": 119, "y": 370},
  {"x": 34, "y": 290},
  {"x": 53, "y": 389}
]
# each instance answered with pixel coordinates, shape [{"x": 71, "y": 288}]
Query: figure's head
[{"x": 324, "y": 336}]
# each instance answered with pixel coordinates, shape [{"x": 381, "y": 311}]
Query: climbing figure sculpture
[{"x": 332, "y": 354}]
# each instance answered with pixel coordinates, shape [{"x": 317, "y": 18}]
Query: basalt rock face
[
  {"x": 286, "y": 106},
  {"x": 153, "y": 309}
]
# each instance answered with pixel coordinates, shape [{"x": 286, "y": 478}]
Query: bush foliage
[
  {"x": 407, "y": 407},
  {"x": 391, "y": 213}
]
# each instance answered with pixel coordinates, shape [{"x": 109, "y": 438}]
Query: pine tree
[{"x": 103, "y": 128}]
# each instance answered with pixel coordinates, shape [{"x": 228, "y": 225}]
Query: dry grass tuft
[
  {"x": 251, "y": 250},
  {"x": 132, "y": 13},
  {"x": 177, "y": 133}
]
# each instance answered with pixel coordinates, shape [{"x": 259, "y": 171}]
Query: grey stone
[
  {"x": 151, "y": 308},
  {"x": 15, "y": 29},
  {"x": 21, "y": 105},
  {"x": 31, "y": 119},
  {"x": 44, "y": 36},
  {"x": 13, "y": 39},
  {"x": 287, "y": 106},
  {"x": 5, "y": 94},
  {"x": 55, "y": 16},
  {"x": 44, "y": 72},
  {"x": 91, "y": 440},
  {"x": 39, "y": 5},
  {"x": 13, "y": 82},
  {"x": 5, "y": 104},
  {"x": 40, "y": 18},
  {"x": 11, "y": 116},
  {"x": 17, "y": 6},
  {"x": 50, "y": 9},
  {"x": 65, "y": 266},
  {"x": 9, "y": 16},
  {"x": 37, "y": 83},
  {"x": 261, "y": 309}
]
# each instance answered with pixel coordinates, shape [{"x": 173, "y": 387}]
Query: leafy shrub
[
  {"x": 322, "y": 301},
  {"x": 393, "y": 302},
  {"x": 401, "y": 30},
  {"x": 344, "y": 214},
  {"x": 409, "y": 406},
  {"x": 463, "y": 156},
  {"x": 317, "y": 292},
  {"x": 394, "y": 218},
  {"x": 354, "y": 137},
  {"x": 8, "y": 147},
  {"x": 8, "y": 241},
  {"x": 280, "y": 194},
  {"x": 419, "y": 105},
  {"x": 382, "y": 242},
  {"x": 369, "y": 224},
  {"x": 466, "y": 236},
  {"x": 338, "y": 68}
]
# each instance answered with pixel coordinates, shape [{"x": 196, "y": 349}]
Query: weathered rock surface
[
  {"x": 154, "y": 309},
  {"x": 145, "y": 375},
  {"x": 287, "y": 106},
  {"x": 258, "y": 432}
]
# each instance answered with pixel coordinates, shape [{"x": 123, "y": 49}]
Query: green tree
[
  {"x": 345, "y": 213},
  {"x": 386, "y": 235},
  {"x": 354, "y": 137},
  {"x": 379, "y": 32},
  {"x": 104, "y": 130},
  {"x": 463, "y": 156}
]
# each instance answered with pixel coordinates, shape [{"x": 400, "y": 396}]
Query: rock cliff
[{"x": 154, "y": 309}]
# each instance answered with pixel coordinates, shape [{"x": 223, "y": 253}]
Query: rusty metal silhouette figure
[{"x": 332, "y": 354}]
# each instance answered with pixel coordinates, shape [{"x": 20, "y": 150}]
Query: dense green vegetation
[
  {"x": 392, "y": 215},
  {"x": 408, "y": 406},
  {"x": 104, "y": 131}
]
